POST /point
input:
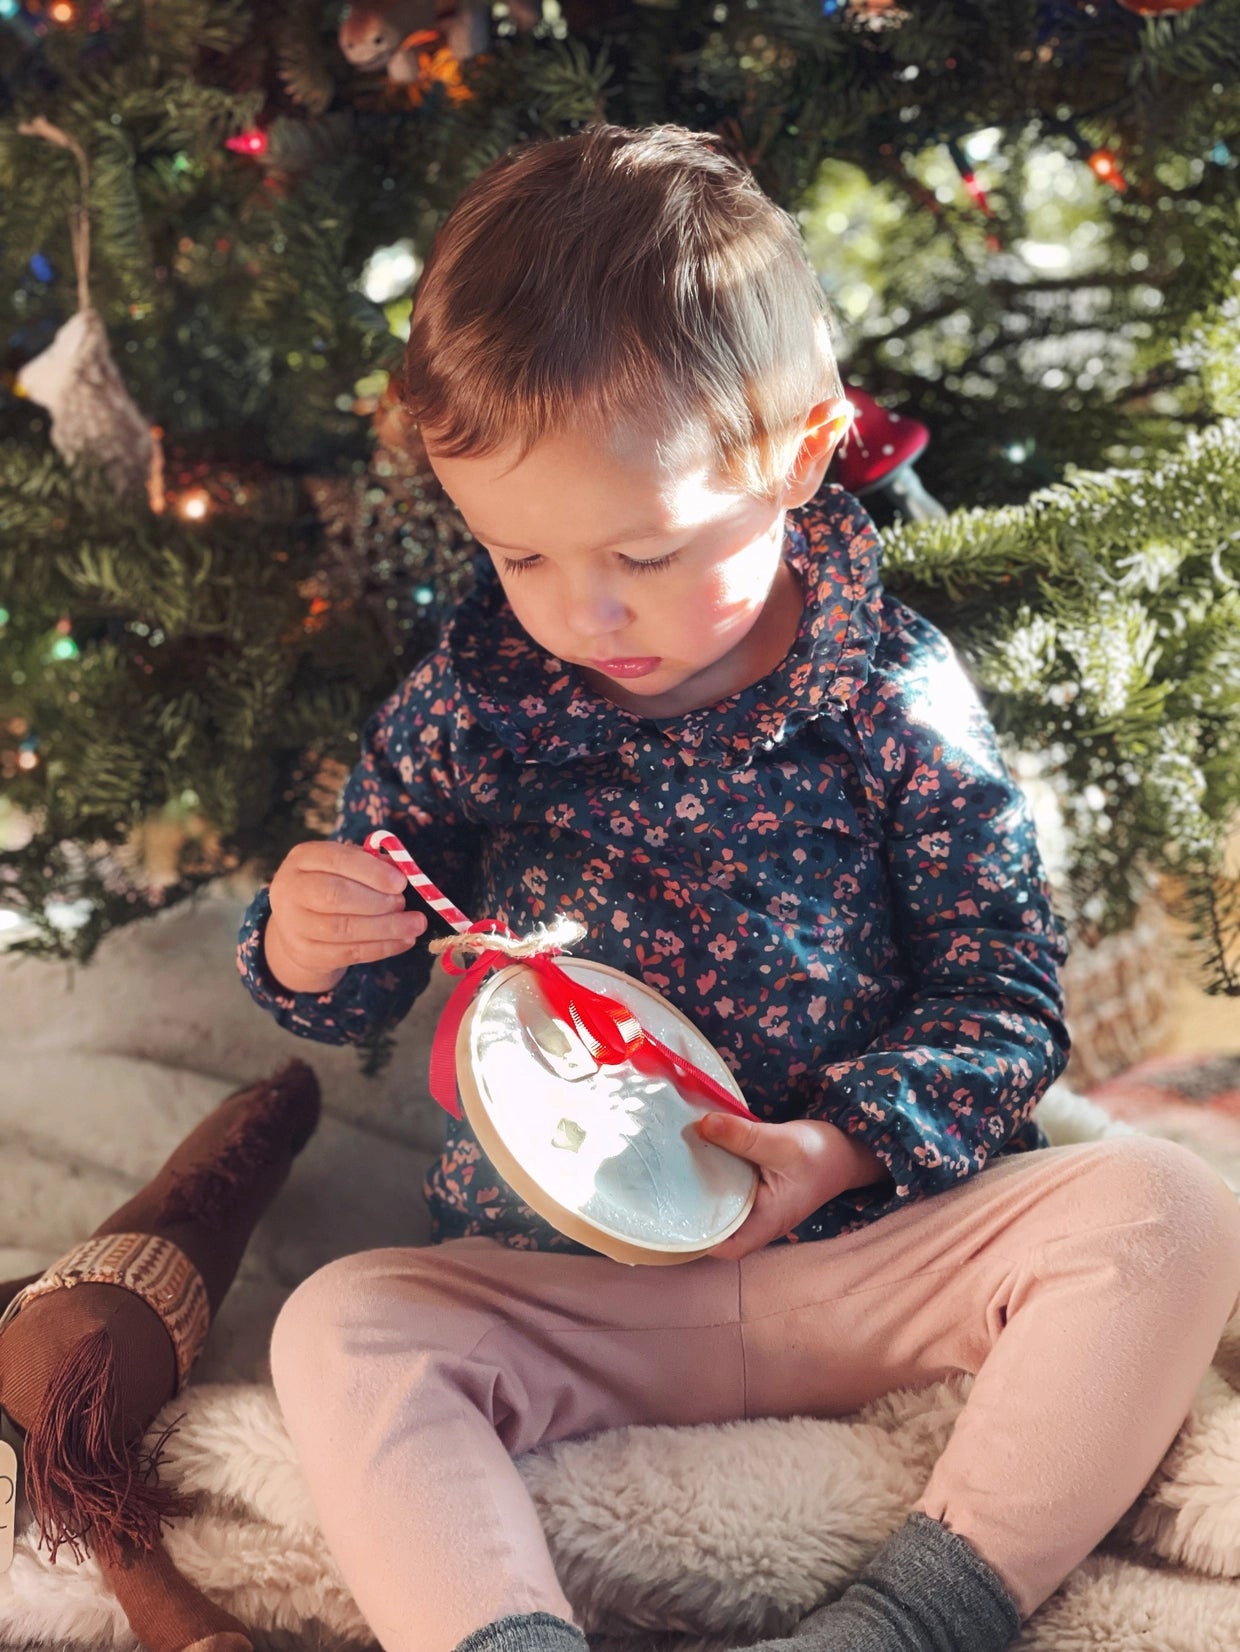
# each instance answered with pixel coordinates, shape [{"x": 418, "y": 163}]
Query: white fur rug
[
  {"x": 698, "y": 1538},
  {"x": 726, "y": 1532}
]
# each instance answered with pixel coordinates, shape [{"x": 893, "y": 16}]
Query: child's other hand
[
  {"x": 333, "y": 905},
  {"x": 801, "y": 1164}
]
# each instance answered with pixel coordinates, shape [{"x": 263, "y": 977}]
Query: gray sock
[
  {"x": 531, "y": 1632},
  {"x": 926, "y": 1590}
]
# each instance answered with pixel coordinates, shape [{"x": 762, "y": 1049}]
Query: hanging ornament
[
  {"x": 387, "y": 34},
  {"x": 1156, "y": 8},
  {"x": 440, "y": 66},
  {"x": 75, "y": 379},
  {"x": 878, "y": 454},
  {"x": 876, "y": 14},
  {"x": 383, "y": 33}
]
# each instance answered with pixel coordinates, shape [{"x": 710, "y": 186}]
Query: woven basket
[{"x": 1120, "y": 996}]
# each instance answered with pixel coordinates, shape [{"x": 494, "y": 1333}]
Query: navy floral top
[{"x": 831, "y": 872}]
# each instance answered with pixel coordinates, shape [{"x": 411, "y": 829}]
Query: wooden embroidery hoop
[{"x": 477, "y": 1108}]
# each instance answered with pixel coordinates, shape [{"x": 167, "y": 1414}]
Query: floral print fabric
[{"x": 830, "y": 872}]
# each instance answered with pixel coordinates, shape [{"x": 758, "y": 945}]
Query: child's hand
[
  {"x": 333, "y": 905},
  {"x": 801, "y": 1164}
]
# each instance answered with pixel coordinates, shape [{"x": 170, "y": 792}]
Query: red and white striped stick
[{"x": 386, "y": 843}]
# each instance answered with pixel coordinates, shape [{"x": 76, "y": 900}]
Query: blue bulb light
[
  {"x": 9, "y": 8},
  {"x": 42, "y": 269}
]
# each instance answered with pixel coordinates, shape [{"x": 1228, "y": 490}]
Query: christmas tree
[{"x": 219, "y": 547}]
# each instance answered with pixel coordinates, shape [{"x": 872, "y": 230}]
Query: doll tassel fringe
[{"x": 84, "y": 1485}]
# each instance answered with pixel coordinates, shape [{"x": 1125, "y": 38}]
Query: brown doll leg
[
  {"x": 165, "y": 1611},
  {"x": 208, "y": 1196}
]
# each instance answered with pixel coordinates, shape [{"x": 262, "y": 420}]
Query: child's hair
[{"x": 617, "y": 283}]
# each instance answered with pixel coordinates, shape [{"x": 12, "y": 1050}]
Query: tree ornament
[
  {"x": 1157, "y": 8},
  {"x": 386, "y": 34},
  {"x": 76, "y": 380},
  {"x": 383, "y": 34},
  {"x": 879, "y": 452}
]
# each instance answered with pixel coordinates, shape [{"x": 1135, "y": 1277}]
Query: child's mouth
[{"x": 626, "y": 668}]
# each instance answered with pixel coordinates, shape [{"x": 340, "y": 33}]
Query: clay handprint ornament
[{"x": 582, "y": 1085}]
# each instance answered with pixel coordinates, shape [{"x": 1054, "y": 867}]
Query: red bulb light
[
  {"x": 969, "y": 179},
  {"x": 1102, "y": 164},
  {"x": 248, "y": 143}
]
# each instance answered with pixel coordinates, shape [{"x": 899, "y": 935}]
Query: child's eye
[
  {"x": 511, "y": 567},
  {"x": 653, "y": 566}
]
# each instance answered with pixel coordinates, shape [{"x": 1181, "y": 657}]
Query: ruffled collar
[{"x": 543, "y": 711}]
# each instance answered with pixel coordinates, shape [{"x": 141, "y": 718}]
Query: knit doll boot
[{"x": 94, "y": 1347}]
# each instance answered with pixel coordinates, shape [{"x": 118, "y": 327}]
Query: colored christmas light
[
  {"x": 253, "y": 142},
  {"x": 969, "y": 178},
  {"x": 1102, "y": 164},
  {"x": 194, "y": 505}
]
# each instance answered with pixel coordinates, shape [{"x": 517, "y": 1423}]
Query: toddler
[{"x": 679, "y": 707}]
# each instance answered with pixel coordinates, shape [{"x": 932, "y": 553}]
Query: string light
[
  {"x": 194, "y": 505},
  {"x": 253, "y": 142},
  {"x": 1102, "y": 164},
  {"x": 968, "y": 177},
  {"x": 62, "y": 12}
]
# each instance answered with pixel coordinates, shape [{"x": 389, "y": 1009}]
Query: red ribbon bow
[{"x": 608, "y": 1029}]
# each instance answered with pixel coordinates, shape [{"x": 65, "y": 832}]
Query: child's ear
[{"x": 825, "y": 428}]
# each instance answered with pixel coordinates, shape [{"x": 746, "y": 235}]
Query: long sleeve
[
  {"x": 981, "y": 1034},
  {"x": 404, "y": 782}
]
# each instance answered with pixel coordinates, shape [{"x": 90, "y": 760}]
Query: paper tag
[{"x": 8, "y": 1503}]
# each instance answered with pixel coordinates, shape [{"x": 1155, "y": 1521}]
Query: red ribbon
[{"x": 609, "y": 1029}]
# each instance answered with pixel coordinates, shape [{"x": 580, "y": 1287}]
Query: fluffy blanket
[{"x": 697, "y": 1538}]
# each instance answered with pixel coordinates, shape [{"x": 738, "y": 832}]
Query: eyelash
[{"x": 637, "y": 567}]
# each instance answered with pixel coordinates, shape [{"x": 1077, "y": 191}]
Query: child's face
[{"x": 691, "y": 603}]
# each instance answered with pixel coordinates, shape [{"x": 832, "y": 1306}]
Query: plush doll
[{"x": 92, "y": 1348}]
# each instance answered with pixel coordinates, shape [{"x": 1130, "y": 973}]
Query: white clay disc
[{"x": 608, "y": 1158}]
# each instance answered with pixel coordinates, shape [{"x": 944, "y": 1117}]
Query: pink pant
[{"x": 1086, "y": 1286}]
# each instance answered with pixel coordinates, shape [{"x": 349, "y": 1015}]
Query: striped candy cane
[{"x": 386, "y": 843}]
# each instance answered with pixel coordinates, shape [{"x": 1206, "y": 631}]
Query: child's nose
[{"x": 597, "y": 613}]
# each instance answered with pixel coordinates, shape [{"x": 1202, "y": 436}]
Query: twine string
[{"x": 79, "y": 213}]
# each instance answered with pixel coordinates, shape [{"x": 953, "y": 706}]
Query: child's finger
[
  {"x": 351, "y": 861},
  {"x": 344, "y": 929},
  {"x": 354, "y": 952},
  {"x": 767, "y": 1145},
  {"x": 328, "y": 892}
]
